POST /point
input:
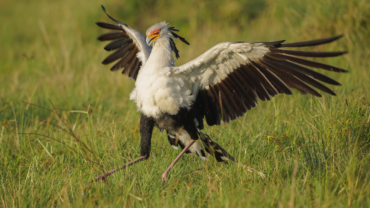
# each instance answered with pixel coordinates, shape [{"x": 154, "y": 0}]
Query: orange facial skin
[{"x": 154, "y": 35}]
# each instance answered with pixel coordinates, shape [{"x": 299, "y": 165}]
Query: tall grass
[{"x": 66, "y": 118}]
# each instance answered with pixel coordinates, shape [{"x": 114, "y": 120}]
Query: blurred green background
[
  {"x": 49, "y": 48},
  {"x": 315, "y": 151}
]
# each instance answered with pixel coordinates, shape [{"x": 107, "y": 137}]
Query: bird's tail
[
  {"x": 220, "y": 154},
  {"x": 206, "y": 143},
  {"x": 214, "y": 149}
]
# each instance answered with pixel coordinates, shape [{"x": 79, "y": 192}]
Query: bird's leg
[
  {"x": 146, "y": 129},
  {"x": 164, "y": 175},
  {"x": 104, "y": 175}
]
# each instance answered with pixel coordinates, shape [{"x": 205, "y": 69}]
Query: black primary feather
[
  {"x": 311, "y": 42},
  {"x": 111, "y": 17}
]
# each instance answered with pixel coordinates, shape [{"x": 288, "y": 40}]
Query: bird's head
[
  {"x": 156, "y": 31},
  {"x": 162, "y": 31}
]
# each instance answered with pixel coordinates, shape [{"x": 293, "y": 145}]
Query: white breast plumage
[{"x": 155, "y": 93}]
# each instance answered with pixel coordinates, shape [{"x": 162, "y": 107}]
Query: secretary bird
[{"x": 220, "y": 85}]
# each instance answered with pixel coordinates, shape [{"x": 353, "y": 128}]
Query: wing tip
[
  {"x": 118, "y": 22},
  {"x": 340, "y": 53},
  {"x": 290, "y": 92},
  {"x": 341, "y": 70},
  {"x": 114, "y": 68},
  {"x": 312, "y": 42},
  {"x": 107, "y": 48},
  {"x": 337, "y": 37}
]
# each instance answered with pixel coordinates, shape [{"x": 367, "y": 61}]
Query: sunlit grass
[{"x": 66, "y": 118}]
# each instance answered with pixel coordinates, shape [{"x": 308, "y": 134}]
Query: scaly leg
[
  {"x": 164, "y": 175},
  {"x": 146, "y": 129},
  {"x": 104, "y": 175}
]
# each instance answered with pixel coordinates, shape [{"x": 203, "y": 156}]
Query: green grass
[{"x": 66, "y": 118}]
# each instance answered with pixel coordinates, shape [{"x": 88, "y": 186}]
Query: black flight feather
[{"x": 111, "y": 17}]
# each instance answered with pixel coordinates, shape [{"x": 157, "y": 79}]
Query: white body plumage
[{"x": 155, "y": 92}]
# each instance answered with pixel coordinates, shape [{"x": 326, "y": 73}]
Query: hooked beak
[{"x": 148, "y": 40}]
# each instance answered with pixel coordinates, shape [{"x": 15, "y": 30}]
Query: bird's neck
[{"x": 161, "y": 55}]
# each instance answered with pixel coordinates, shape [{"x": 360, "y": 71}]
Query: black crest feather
[
  {"x": 174, "y": 49},
  {"x": 173, "y": 29},
  {"x": 173, "y": 45},
  {"x": 179, "y": 37}
]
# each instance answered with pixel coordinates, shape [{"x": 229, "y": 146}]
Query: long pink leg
[
  {"x": 164, "y": 175},
  {"x": 104, "y": 175}
]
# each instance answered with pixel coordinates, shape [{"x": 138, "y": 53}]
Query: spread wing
[
  {"x": 129, "y": 46},
  {"x": 228, "y": 78}
]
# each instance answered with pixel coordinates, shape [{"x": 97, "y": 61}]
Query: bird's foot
[{"x": 164, "y": 176}]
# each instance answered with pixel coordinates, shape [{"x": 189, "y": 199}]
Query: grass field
[{"x": 66, "y": 118}]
